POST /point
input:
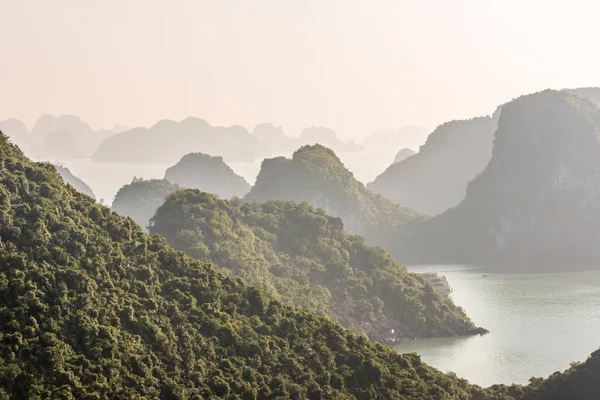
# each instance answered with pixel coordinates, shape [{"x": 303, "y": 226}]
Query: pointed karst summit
[
  {"x": 538, "y": 200},
  {"x": 436, "y": 178},
  {"x": 403, "y": 155},
  {"x": 208, "y": 174},
  {"x": 168, "y": 141},
  {"x": 93, "y": 308},
  {"x": 316, "y": 175}
]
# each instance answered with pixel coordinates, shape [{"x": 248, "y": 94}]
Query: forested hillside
[
  {"x": 93, "y": 308},
  {"x": 303, "y": 257}
]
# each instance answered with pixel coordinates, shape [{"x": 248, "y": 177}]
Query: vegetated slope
[
  {"x": 316, "y": 175},
  {"x": 436, "y": 178},
  {"x": 141, "y": 198},
  {"x": 74, "y": 181},
  {"x": 168, "y": 141},
  {"x": 209, "y": 174},
  {"x": 303, "y": 257},
  {"x": 93, "y": 308},
  {"x": 538, "y": 200},
  {"x": 403, "y": 154}
]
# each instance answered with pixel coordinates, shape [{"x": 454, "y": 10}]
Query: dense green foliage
[
  {"x": 316, "y": 175},
  {"x": 141, "y": 198},
  {"x": 303, "y": 257},
  {"x": 209, "y": 174},
  {"x": 93, "y": 308}
]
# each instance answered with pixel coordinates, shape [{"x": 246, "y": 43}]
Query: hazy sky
[{"x": 354, "y": 66}]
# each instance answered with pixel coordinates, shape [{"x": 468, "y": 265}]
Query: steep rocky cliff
[{"x": 538, "y": 200}]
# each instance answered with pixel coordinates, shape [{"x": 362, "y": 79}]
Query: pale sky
[{"x": 353, "y": 66}]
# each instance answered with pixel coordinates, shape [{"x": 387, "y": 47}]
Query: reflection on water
[{"x": 538, "y": 324}]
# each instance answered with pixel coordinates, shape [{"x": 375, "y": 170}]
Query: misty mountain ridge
[
  {"x": 436, "y": 177},
  {"x": 537, "y": 202},
  {"x": 168, "y": 141},
  {"x": 455, "y": 153},
  {"x": 58, "y": 145},
  {"x": 279, "y": 143},
  {"x": 84, "y": 135}
]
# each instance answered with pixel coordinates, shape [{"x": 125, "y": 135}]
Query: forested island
[{"x": 303, "y": 257}]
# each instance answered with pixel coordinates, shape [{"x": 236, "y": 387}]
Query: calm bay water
[{"x": 538, "y": 323}]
